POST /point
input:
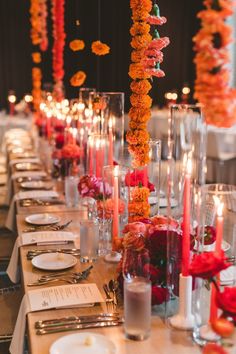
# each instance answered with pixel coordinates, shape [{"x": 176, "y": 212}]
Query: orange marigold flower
[
  {"x": 144, "y": 5},
  {"x": 140, "y": 42},
  {"x": 137, "y": 137},
  {"x": 136, "y": 71},
  {"x": 36, "y": 57},
  {"x": 137, "y": 55},
  {"x": 140, "y": 194},
  {"x": 140, "y": 15},
  {"x": 36, "y": 73},
  {"x": 78, "y": 79},
  {"x": 139, "y": 28},
  {"x": 76, "y": 44},
  {"x": 136, "y": 125},
  {"x": 140, "y": 208},
  {"x": 141, "y": 115},
  {"x": 100, "y": 48},
  {"x": 141, "y": 87},
  {"x": 141, "y": 101}
]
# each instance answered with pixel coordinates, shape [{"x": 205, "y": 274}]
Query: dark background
[{"x": 108, "y": 73}]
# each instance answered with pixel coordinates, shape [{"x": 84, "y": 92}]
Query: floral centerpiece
[{"x": 69, "y": 156}]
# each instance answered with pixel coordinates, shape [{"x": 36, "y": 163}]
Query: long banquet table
[{"x": 163, "y": 340}]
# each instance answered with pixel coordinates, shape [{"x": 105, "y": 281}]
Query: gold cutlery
[
  {"x": 72, "y": 327},
  {"x": 47, "y": 227},
  {"x": 77, "y": 320}
]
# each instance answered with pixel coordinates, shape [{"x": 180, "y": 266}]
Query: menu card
[
  {"x": 30, "y": 160},
  {"x": 63, "y": 296},
  {"x": 35, "y": 194},
  {"x": 47, "y": 298},
  {"x": 16, "y": 175},
  {"x": 46, "y": 237}
]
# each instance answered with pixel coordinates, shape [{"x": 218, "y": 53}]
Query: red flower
[
  {"x": 207, "y": 265},
  {"x": 136, "y": 178},
  {"x": 212, "y": 348},
  {"x": 159, "y": 295},
  {"x": 137, "y": 226},
  {"x": 209, "y": 235},
  {"x": 59, "y": 141},
  {"x": 70, "y": 151},
  {"x": 226, "y": 300}
]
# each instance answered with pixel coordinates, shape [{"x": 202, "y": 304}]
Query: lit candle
[
  {"x": 90, "y": 156},
  {"x": 12, "y": 100},
  {"x": 219, "y": 225},
  {"x": 219, "y": 236},
  {"x": 186, "y": 220},
  {"x": 98, "y": 169},
  {"x": 74, "y": 135},
  {"x": 115, "y": 226},
  {"x": 110, "y": 155}
]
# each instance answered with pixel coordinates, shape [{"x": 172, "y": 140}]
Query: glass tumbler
[
  {"x": 137, "y": 308},
  {"x": 89, "y": 240},
  {"x": 71, "y": 191}
]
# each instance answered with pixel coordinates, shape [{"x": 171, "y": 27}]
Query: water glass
[
  {"x": 137, "y": 308},
  {"x": 89, "y": 240},
  {"x": 71, "y": 191}
]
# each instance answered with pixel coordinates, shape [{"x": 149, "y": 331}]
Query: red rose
[
  {"x": 212, "y": 348},
  {"x": 159, "y": 295},
  {"x": 136, "y": 178},
  {"x": 156, "y": 274},
  {"x": 206, "y": 265},
  {"x": 209, "y": 235},
  {"x": 226, "y": 300}
]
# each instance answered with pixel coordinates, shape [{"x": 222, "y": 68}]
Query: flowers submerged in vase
[
  {"x": 59, "y": 141},
  {"x": 152, "y": 234}
]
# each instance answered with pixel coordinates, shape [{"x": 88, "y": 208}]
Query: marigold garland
[
  {"x": 43, "y": 20},
  {"x": 145, "y": 63},
  {"x": 36, "y": 82},
  {"x": 212, "y": 87},
  {"x": 100, "y": 48},
  {"x": 36, "y": 57},
  {"x": 58, "y": 45}
]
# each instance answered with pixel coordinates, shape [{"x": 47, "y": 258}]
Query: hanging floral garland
[
  {"x": 99, "y": 48},
  {"x": 146, "y": 58},
  {"x": 58, "y": 46},
  {"x": 38, "y": 33},
  {"x": 212, "y": 87}
]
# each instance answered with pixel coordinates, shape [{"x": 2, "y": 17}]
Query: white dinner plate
[
  {"x": 54, "y": 261},
  {"x": 42, "y": 219},
  {"x": 27, "y": 166},
  {"x": 36, "y": 185},
  {"x": 83, "y": 343}
]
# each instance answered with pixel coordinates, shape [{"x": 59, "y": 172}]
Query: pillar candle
[
  {"x": 186, "y": 222},
  {"x": 115, "y": 226}
]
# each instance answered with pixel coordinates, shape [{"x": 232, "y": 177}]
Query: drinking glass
[
  {"x": 135, "y": 263},
  {"x": 89, "y": 240},
  {"x": 137, "y": 308},
  {"x": 71, "y": 191}
]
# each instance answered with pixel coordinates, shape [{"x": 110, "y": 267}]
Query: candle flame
[
  {"x": 12, "y": 98},
  {"x": 189, "y": 167},
  {"x": 218, "y": 205}
]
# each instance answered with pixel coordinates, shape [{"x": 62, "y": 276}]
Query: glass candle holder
[{"x": 114, "y": 205}]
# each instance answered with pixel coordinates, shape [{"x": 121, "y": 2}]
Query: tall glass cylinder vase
[
  {"x": 97, "y": 154},
  {"x": 154, "y": 176},
  {"x": 186, "y": 169},
  {"x": 114, "y": 206},
  {"x": 218, "y": 207}
]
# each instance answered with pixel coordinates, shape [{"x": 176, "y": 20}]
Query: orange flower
[
  {"x": 136, "y": 71},
  {"x": 141, "y": 4},
  {"x": 36, "y": 57},
  {"x": 140, "y": 42},
  {"x": 137, "y": 55},
  {"x": 140, "y": 101},
  {"x": 137, "y": 137},
  {"x": 76, "y": 44},
  {"x": 139, "y": 115},
  {"x": 136, "y": 125},
  {"x": 140, "y": 194},
  {"x": 78, "y": 79},
  {"x": 141, "y": 87},
  {"x": 139, "y": 28},
  {"x": 100, "y": 48}
]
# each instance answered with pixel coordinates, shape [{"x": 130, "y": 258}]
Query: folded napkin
[
  {"x": 35, "y": 194},
  {"x": 28, "y": 238},
  {"x": 30, "y": 160},
  {"x": 48, "y": 298},
  {"x": 18, "y": 175}
]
